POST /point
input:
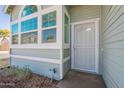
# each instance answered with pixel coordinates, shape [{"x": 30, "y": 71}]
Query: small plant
[
  {"x": 17, "y": 73},
  {"x": 21, "y": 73}
]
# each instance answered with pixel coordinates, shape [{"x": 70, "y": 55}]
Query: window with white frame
[
  {"x": 29, "y": 38},
  {"x": 29, "y": 9},
  {"x": 29, "y": 31},
  {"x": 15, "y": 33},
  {"x": 15, "y": 39},
  {"x": 49, "y": 34},
  {"x": 66, "y": 29}
]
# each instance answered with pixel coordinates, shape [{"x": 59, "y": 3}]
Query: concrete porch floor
[{"x": 75, "y": 79}]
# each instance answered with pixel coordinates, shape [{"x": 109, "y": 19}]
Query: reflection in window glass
[
  {"x": 66, "y": 28},
  {"x": 30, "y": 24},
  {"x": 49, "y": 19},
  {"x": 29, "y": 9},
  {"x": 15, "y": 13},
  {"x": 15, "y": 28},
  {"x": 29, "y": 38},
  {"x": 49, "y": 35},
  {"x": 45, "y": 20},
  {"x": 15, "y": 39}
]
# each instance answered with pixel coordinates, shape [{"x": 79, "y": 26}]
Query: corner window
[
  {"x": 49, "y": 35},
  {"x": 29, "y": 9},
  {"x": 66, "y": 29},
  {"x": 49, "y": 19}
]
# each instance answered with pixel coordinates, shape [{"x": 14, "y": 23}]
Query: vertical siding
[{"x": 113, "y": 45}]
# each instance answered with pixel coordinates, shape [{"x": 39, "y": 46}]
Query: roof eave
[{"x": 5, "y": 8}]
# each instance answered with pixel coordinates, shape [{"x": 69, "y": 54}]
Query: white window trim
[
  {"x": 14, "y": 34},
  {"x": 34, "y": 15},
  {"x": 60, "y": 37},
  {"x": 55, "y": 61},
  {"x": 66, "y": 45},
  {"x": 47, "y": 28},
  {"x": 29, "y": 31}
]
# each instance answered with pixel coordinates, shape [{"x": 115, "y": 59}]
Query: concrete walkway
[{"x": 75, "y": 79}]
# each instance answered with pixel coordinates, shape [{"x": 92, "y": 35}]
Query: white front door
[{"x": 84, "y": 46}]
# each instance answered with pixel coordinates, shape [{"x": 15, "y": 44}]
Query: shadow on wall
[{"x": 4, "y": 44}]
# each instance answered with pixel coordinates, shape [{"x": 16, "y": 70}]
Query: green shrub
[
  {"x": 21, "y": 73},
  {"x": 16, "y": 72}
]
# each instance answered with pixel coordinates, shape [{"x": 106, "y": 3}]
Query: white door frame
[{"x": 96, "y": 21}]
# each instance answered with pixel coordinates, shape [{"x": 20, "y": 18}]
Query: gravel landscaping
[{"x": 24, "y": 78}]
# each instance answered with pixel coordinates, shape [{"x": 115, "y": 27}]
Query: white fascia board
[{"x": 5, "y": 8}]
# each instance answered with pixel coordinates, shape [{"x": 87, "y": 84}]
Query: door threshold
[{"x": 87, "y": 72}]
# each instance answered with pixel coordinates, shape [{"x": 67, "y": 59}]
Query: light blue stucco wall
[{"x": 42, "y": 68}]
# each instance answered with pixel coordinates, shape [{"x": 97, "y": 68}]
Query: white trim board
[
  {"x": 96, "y": 21},
  {"x": 66, "y": 59},
  {"x": 37, "y": 46},
  {"x": 55, "y": 61}
]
